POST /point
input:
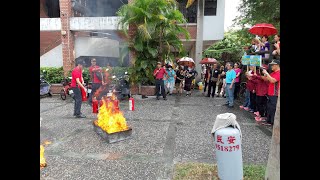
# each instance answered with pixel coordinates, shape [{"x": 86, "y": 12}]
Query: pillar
[
  {"x": 67, "y": 37},
  {"x": 199, "y": 40}
]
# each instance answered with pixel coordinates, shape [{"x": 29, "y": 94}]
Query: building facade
[{"x": 81, "y": 29}]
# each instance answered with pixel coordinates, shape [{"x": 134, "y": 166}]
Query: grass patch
[{"x": 189, "y": 171}]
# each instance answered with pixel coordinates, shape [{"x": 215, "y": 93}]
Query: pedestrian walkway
[{"x": 164, "y": 133}]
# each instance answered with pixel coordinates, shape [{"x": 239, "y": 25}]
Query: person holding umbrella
[
  {"x": 189, "y": 75},
  {"x": 214, "y": 77}
]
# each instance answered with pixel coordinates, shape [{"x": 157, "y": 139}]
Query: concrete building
[{"x": 72, "y": 29}]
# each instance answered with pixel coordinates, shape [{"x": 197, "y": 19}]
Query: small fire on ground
[
  {"x": 110, "y": 118},
  {"x": 42, "y": 158}
]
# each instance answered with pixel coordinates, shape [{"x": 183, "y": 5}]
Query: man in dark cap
[
  {"x": 76, "y": 83},
  {"x": 273, "y": 90}
]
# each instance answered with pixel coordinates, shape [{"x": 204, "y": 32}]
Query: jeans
[
  {"x": 229, "y": 93},
  {"x": 205, "y": 85},
  {"x": 170, "y": 86},
  {"x": 236, "y": 89},
  {"x": 77, "y": 101},
  {"x": 262, "y": 105},
  {"x": 160, "y": 83},
  {"x": 271, "y": 108},
  {"x": 95, "y": 86},
  {"x": 213, "y": 85},
  {"x": 253, "y": 101},
  {"x": 247, "y": 99}
]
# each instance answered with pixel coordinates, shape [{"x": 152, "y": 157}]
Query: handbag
[{"x": 214, "y": 79}]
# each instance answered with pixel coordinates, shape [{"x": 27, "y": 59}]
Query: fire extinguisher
[
  {"x": 83, "y": 94},
  {"x": 95, "y": 105},
  {"x": 131, "y": 104},
  {"x": 116, "y": 104}
]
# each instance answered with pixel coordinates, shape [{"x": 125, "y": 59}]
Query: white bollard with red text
[{"x": 228, "y": 153}]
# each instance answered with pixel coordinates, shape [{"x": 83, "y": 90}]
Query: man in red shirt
[
  {"x": 96, "y": 81},
  {"x": 273, "y": 90},
  {"x": 158, "y": 73},
  {"x": 76, "y": 83}
]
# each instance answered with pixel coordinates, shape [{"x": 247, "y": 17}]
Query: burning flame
[
  {"x": 42, "y": 159},
  {"x": 110, "y": 118}
]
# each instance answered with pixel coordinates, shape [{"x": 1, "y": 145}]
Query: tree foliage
[
  {"x": 228, "y": 49},
  {"x": 257, "y": 11},
  {"x": 156, "y": 35}
]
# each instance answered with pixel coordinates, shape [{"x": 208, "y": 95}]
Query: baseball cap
[
  {"x": 275, "y": 62},
  {"x": 158, "y": 62}
]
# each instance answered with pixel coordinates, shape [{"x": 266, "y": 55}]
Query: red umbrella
[
  {"x": 263, "y": 29},
  {"x": 208, "y": 61}
]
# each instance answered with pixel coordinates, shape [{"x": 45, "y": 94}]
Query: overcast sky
[{"x": 231, "y": 11}]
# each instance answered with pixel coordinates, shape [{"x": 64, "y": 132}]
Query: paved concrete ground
[{"x": 164, "y": 133}]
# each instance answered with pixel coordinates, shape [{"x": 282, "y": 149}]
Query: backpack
[{"x": 98, "y": 75}]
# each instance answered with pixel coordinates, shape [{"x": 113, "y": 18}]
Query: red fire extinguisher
[
  {"x": 83, "y": 94},
  {"x": 95, "y": 105},
  {"x": 131, "y": 104},
  {"x": 116, "y": 104}
]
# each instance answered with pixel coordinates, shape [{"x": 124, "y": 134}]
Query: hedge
[{"x": 55, "y": 75}]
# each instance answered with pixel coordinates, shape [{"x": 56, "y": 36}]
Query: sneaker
[
  {"x": 241, "y": 107},
  {"x": 158, "y": 98},
  {"x": 267, "y": 124},
  {"x": 165, "y": 98},
  {"x": 81, "y": 116},
  {"x": 227, "y": 104},
  {"x": 257, "y": 113},
  {"x": 246, "y": 108},
  {"x": 230, "y": 106},
  {"x": 260, "y": 119}
]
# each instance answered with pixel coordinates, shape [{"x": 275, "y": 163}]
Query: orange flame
[
  {"x": 42, "y": 159},
  {"x": 110, "y": 118}
]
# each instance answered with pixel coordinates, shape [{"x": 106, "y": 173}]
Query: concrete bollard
[{"x": 227, "y": 140}]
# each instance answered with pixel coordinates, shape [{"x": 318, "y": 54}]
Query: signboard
[
  {"x": 251, "y": 60},
  {"x": 255, "y": 60},
  {"x": 245, "y": 60}
]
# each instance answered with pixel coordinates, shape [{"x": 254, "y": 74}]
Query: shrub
[{"x": 52, "y": 74}]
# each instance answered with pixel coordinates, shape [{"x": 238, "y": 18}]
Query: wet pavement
[{"x": 164, "y": 133}]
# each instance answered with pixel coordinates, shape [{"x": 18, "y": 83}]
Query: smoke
[{"x": 103, "y": 8}]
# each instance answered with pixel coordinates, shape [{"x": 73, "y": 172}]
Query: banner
[
  {"x": 245, "y": 60},
  {"x": 251, "y": 60},
  {"x": 255, "y": 60}
]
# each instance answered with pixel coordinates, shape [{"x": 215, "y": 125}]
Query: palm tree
[
  {"x": 157, "y": 30},
  {"x": 273, "y": 166}
]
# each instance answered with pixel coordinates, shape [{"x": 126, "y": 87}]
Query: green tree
[
  {"x": 156, "y": 34},
  {"x": 257, "y": 11},
  {"x": 228, "y": 49}
]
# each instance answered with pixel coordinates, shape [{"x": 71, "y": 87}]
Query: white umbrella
[{"x": 186, "y": 61}]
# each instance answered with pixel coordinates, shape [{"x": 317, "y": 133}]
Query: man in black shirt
[{"x": 214, "y": 77}]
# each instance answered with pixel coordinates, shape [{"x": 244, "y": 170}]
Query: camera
[{"x": 262, "y": 68}]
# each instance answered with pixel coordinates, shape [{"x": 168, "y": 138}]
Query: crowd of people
[
  {"x": 167, "y": 78},
  {"x": 262, "y": 83}
]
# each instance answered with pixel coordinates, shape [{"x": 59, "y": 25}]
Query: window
[
  {"x": 189, "y": 13},
  {"x": 210, "y": 7}
]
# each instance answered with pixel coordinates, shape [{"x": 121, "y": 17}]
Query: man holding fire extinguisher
[
  {"x": 96, "y": 78},
  {"x": 77, "y": 83}
]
